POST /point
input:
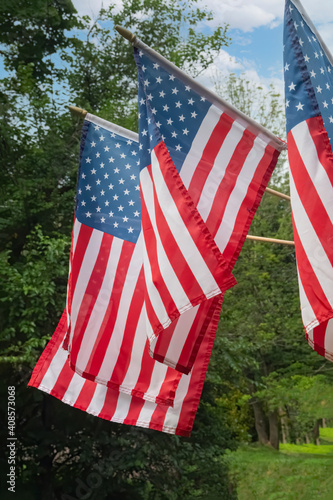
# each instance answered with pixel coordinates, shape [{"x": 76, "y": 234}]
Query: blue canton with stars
[
  {"x": 308, "y": 73},
  {"x": 169, "y": 110},
  {"x": 108, "y": 191}
]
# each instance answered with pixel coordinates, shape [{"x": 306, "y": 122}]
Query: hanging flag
[
  {"x": 105, "y": 293},
  {"x": 308, "y": 71}
]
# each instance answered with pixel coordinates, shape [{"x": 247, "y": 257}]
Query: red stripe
[
  {"x": 209, "y": 154},
  {"x": 250, "y": 204},
  {"x": 130, "y": 328},
  {"x": 83, "y": 239},
  {"x": 63, "y": 380},
  {"x": 106, "y": 330},
  {"x": 49, "y": 352},
  {"x": 90, "y": 296},
  {"x": 110, "y": 404},
  {"x": 322, "y": 144},
  {"x": 230, "y": 178},
  {"x": 153, "y": 257},
  {"x": 134, "y": 411},
  {"x": 162, "y": 343},
  {"x": 86, "y": 394},
  {"x": 310, "y": 199},
  {"x": 319, "y": 334},
  {"x": 192, "y": 398},
  {"x": 311, "y": 285}
]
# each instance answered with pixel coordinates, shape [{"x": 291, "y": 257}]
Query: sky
[{"x": 255, "y": 27}]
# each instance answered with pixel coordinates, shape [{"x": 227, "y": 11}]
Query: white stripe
[
  {"x": 54, "y": 369},
  {"x": 87, "y": 266},
  {"x": 308, "y": 315},
  {"x": 181, "y": 234},
  {"x": 168, "y": 274},
  {"x": 97, "y": 402},
  {"x": 312, "y": 246},
  {"x": 123, "y": 406},
  {"x": 180, "y": 334},
  {"x": 238, "y": 194},
  {"x": 173, "y": 413},
  {"x": 329, "y": 337},
  {"x": 74, "y": 388},
  {"x": 217, "y": 173},
  {"x": 321, "y": 181},
  {"x": 199, "y": 143},
  {"x": 102, "y": 306}
]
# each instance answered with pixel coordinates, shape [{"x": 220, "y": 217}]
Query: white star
[
  {"x": 98, "y": 182},
  {"x": 88, "y": 214},
  {"x": 121, "y": 181},
  {"x": 171, "y": 77},
  {"x": 162, "y": 94},
  {"x": 325, "y": 104},
  {"x": 175, "y": 91},
  {"x": 194, "y": 114},
  {"x": 156, "y": 66},
  {"x": 169, "y": 121},
  {"x": 106, "y": 176},
  {"x": 301, "y": 42},
  {"x": 182, "y": 118},
  {"x": 115, "y": 224},
  {"x": 319, "y": 89},
  {"x": 306, "y": 58},
  {"x": 130, "y": 230},
  {"x": 93, "y": 144},
  {"x": 178, "y": 104},
  {"x": 191, "y": 101},
  {"x": 185, "y": 131},
  {"x": 101, "y": 137},
  {"x": 286, "y": 68},
  {"x": 123, "y": 155},
  {"x": 174, "y": 134},
  {"x": 292, "y": 86},
  {"x": 107, "y": 149},
  {"x": 111, "y": 186},
  {"x": 331, "y": 119},
  {"x": 131, "y": 203},
  {"x": 88, "y": 160},
  {"x": 111, "y": 159},
  {"x": 136, "y": 214},
  {"x": 83, "y": 203},
  {"x": 120, "y": 208},
  {"x": 115, "y": 197},
  {"x": 158, "y": 79},
  {"x": 107, "y": 203},
  {"x": 102, "y": 192},
  {"x": 165, "y": 107},
  {"x": 102, "y": 165},
  {"x": 88, "y": 187},
  {"x": 98, "y": 209},
  {"x": 300, "y": 106},
  {"x": 111, "y": 214},
  {"x": 93, "y": 198},
  {"x": 125, "y": 219},
  {"x": 93, "y": 171},
  {"x": 126, "y": 191},
  {"x": 287, "y": 103},
  {"x": 316, "y": 55},
  {"x": 313, "y": 74},
  {"x": 98, "y": 155},
  {"x": 102, "y": 219},
  {"x": 117, "y": 145},
  {"x": 178, "y": 147}
]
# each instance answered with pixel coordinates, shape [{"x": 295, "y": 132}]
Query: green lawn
[{"x": 296, "y": 472}]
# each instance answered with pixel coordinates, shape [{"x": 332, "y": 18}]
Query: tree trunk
[
  {"x": 315, "y": 433},
  {"x": 284, "y": 425},
  {"x": 273, "y": 420},
  {"x": 260, "y": 422}
]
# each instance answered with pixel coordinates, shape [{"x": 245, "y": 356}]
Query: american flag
[
  {"x": 220, "y": 173},
  {"x": 308, "y": 72},
  {"x": 205, "y": 164}
]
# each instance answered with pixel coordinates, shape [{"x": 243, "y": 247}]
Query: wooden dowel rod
[
  {"x": 81, "y": 113},
  {"x": 270, "y": 240},
  {"x": 277, "y": 193}
]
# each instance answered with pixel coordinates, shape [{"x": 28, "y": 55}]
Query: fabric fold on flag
[{"x": 308, "y": 70}]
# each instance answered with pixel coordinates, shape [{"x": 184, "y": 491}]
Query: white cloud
[{"x": 92, "y": 7}]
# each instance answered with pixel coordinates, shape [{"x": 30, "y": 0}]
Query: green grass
[{"x": 297, "y": 472}]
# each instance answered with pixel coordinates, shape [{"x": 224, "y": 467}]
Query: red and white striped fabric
[
  {"x": 311, "y": 189},
  {"x": 308, "y": 84}
]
